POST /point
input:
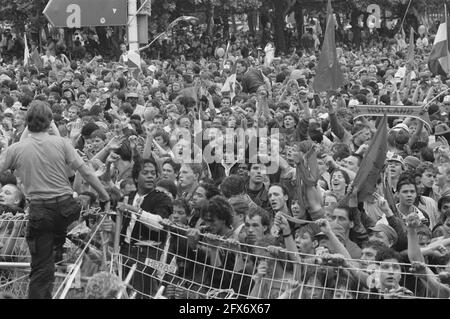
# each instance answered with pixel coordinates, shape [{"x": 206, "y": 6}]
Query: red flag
[
  {"x": 328, "y": 72},
  {"x": 371, "y": 166}
]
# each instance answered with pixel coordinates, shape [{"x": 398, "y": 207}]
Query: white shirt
[
  {"x": 422, "y": 42},
  {"x": 139, "y": 110},
  {"x": 137, "y": 202}
]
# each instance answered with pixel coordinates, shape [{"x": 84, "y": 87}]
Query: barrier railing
[
  {"x": 171, "y": 263},
  {"x": 85, "y": 253}
]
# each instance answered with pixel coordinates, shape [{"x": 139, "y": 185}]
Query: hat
[
  {"x": 412, "y": 161},
  {"x": 401, "y": 126},
  {"x": 446, "y": 99},
  {"x": 441, "y": 129},
  {"x": 394, "y": 158},
  {"x": 353, "y": 102},
  {"x": 388, "y": 230}
]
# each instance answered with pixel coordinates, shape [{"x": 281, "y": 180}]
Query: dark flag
[
  {"x": 328, "y": 72},
  {"x": 371, "y": 166}
]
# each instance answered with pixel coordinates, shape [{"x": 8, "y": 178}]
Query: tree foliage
[{"x": 23, "y": 12}]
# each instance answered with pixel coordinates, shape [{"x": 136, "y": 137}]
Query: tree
[{"x": 20, "y": 13}]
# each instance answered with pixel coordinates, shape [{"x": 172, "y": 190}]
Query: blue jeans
[{"x": 46, "y": 233}]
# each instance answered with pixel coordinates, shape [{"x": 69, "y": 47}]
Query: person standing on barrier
[{"x": 41, "y": 160}]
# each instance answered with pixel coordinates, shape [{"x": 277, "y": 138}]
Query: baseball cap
[
  {"x": 412, "y": 161},
  {"x": 390, "y": 156},
  {"x": 388, "y": 230},
  {"x": 401, "y": 126},
  {"x": 446, "y": 99}
]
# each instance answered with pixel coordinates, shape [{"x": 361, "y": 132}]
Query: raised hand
[
  {"x": 413, "y": 221},
  {"x": 324, "y": 225},
  {"x": 261, "y": 270},
  {"x": 418, "y": 267},
  {"x": 115, "y": 143},
  {"x": 281, "y": 222}
]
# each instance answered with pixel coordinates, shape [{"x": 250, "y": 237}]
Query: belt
[{"x": 54, "y": 200}]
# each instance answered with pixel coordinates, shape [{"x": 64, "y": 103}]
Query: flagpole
[
  {"x": 446, "y": 30},
  {"x": 406, "y": 12}
]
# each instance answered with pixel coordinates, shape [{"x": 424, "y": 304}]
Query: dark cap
[{"x": 388, "y": 230}]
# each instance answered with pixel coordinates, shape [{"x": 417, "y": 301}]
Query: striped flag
[
  {"x": 26, "y": 53},
  {"x": 189, "y": 19},
  {"x": 439, "y": 61},
  {"x": 134, "y": 64}
]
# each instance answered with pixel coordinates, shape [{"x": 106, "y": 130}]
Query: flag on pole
[
  {"x": 270, "y": 54},
  {"x": 26, "y": 54},
  {"x": 189, "y": 19},
  {"x": 439, "y": 61},
  {"x": 328, "y": 73},
  {"x": 36, "y": 58},
  {"x": 134, "y": 63},
  {"x": 230, "y": 83},
  {"x": 371, "y": 166},
  {"x": 410, "y": 56}
]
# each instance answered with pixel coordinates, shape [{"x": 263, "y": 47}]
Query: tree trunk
[
  {"x": 279, "y": 25},
  {"x": 299, "y": 20},
  {"x": 209, "y": 12},
  {"x": 226, "y": 25},
  {"x": 251, "y": 19}
]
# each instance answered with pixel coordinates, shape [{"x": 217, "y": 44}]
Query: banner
[{"x": 392, "y": 111}]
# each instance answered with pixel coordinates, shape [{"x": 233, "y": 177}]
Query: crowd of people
[{"x": 223, "y": 168}]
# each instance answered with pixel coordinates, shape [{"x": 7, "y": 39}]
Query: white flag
[{"x": 26, "y": 53}]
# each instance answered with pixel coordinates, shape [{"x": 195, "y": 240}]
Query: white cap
[
  {"x": 353, "y": 102},
  {"x": 447, "y": 99},
  {"x": 401, "y": 126}
]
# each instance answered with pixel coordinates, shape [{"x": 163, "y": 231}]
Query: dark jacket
[{"x": 156, "y": 203}]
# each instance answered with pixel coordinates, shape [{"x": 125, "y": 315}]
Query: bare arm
[{"x": 88, "y": 174}]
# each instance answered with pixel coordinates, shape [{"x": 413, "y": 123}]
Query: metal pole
[{"x": 132, "y": 26}]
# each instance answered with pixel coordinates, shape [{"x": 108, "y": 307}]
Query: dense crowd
[{"x": 260, "y": 161}]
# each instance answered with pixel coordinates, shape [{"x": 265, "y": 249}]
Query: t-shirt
[
  {"x": 41, "y": 161},
  {"x": 252, "y": 80},
  {"x": 139, "y": 110}
]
